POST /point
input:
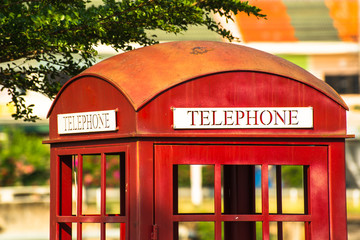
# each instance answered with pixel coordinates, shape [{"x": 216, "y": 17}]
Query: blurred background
[{"x": 321, "y": 36}]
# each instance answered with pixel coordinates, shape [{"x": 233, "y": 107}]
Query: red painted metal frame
[
  {"x": 315, "y": 157},
  {"x": 61, "y": 213},
  {"x": 140, "y": 189},
  {"x": 141, "y": 173}
]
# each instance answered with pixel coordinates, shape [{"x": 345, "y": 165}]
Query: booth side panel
[{"x": 337, "y": 190}]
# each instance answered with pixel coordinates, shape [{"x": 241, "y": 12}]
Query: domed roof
[{"x": 144, "y": 73}]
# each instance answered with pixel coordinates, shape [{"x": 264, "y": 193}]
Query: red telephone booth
[{"x": 134, "y": 127}]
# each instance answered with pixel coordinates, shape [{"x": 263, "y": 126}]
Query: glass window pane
[
  {"x": 74, "y": 230},
  {"x": 194, "y": 230},
  {"x": 286, "y": 189},
  {"x": 241, "y": 185},
  {"x": 193, "y": 189},
  {"x": 91, "y": 231},
  {"x": 91, "y": 184},
  {"x": 273, "y": 230},
  {"x": 241, "y": 230},
  {"x": 292, "y": 181},
  {"x": 272, "y": 189},
  {"x": 258, "y": 198},
  {"x": 115, "y": 183},
  {"x": 115, "y": 231},
  {"x": 287, "y": 230},
  {"x": 294, "y": 230}
]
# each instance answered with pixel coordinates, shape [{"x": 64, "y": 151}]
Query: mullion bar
[
  {"x": 265, "y": 200},
  {"x": 103, "y": 194},
  {"x": 175, "y": 200},
  {"x": 122, "y": 231},
  {"x": 103, "y": 185},
  {"x": 279, "y": 200},
  {"x": 217, "y": 201},
  {"x": 80, "y": 184},
  {"x": 306, "y": 176},
  {"x": 289, "y": 218},
  {"x": 239, "y": 217},
  {"x": 79, "y": 231},
  {"x": 79, "y": 195},
  {"x": 307, "y": 231},
  {"x": 102, "y": 231},
  {"x": 91, "y": 218},
  {"x": 242, "y": 218},
  {"x": 194, "y": 217}
]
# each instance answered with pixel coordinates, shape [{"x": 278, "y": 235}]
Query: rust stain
[{"x": 200, "y": 50}]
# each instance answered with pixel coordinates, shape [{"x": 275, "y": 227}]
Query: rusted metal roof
[{"x": 144, "y": 73}]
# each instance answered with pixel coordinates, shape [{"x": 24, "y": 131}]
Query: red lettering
[
  {"x": 65, "y": 118},
  {"x": 226, "y": 117},
  {"x": 238, "y": 118},
  {"x": 192, "y": 116},
  {"x": 291, "y": 117},
  {"x": 107, "y": 120},
  {"x": 101, "y": 120},
  {"x": 203, "y": 117},
  {"x": 95, "y": 117},
  {"x": 83, "y": 121},
  {"x": 278, "y": 115},
  {"x": 70, "y": 122},
  {"x": 74, "y": 123},
  {"x": 88, "y": 122},
  {"x": 214, "y": 120},
  {"x": 262, "y": 120},
  {"x": 79, "y": 122},
  {"x": 249, "y": 117}
]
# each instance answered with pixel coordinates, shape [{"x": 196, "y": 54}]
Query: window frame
[
  {"x": 317, "y": 196},
  {"x": 64, "y": 214}
]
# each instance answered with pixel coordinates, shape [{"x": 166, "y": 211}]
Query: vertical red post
[{"x": 337, "y": 190}]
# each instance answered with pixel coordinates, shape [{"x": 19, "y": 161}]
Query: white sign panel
[
  {"x": 237, "y": 118},
  {"x": 86, "y": 122}
]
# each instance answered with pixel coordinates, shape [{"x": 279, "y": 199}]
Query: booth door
[
  {"x": 91, "y": 196},
  {"x": 228, "y": 192}
]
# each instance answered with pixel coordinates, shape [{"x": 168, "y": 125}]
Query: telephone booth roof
[
  {"x": 144, "y": 73},
  {"x": 145, "y": 88}
]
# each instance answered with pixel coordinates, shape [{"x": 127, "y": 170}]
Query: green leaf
[{"x": 59, "y": 36}]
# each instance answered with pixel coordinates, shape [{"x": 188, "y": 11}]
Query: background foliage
[
  {"x": 45, "y": 42},
  {"x": 24, "y": 160}
]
